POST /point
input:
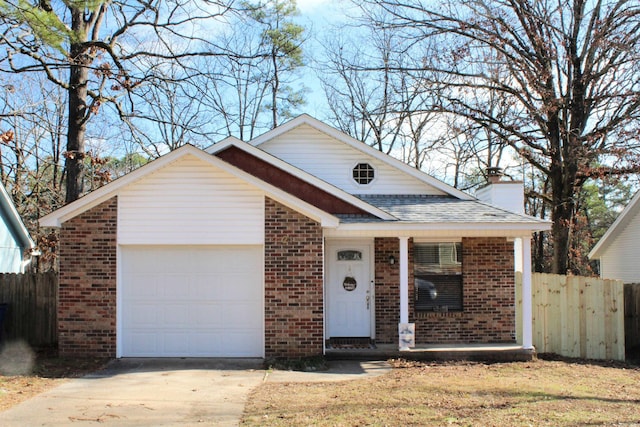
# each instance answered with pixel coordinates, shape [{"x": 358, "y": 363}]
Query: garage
[{"x": 191, "y": 301}]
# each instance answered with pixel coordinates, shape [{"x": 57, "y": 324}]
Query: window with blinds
[{"x": 438, "y": 276}]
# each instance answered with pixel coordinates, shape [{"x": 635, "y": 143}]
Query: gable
[
  {"x": 333, "y": 161},
  {"x": 14, "y": 237},
  {"x": 190, "y": 202},
  {"x": 172, "y": 188},
  {"x": 619, "y": 226},
  {"x": 620, "y": 259},
  {"x": 13, "y": 229},
  {"x": 8, "y": 238},
  {"x": 618, "y": 248},
  {"x": 287, "y": 182},
  {"x": 624, "y": 241},
  {"x": 10, "y": 250}
]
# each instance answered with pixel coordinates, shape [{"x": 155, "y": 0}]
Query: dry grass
[
  {"x": 539, "y": 393},
  {"x": 25, "y": 373}
]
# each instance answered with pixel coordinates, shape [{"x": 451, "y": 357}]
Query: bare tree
[
  {"x": 570, "y": 71},
  {"x": 369, "y": 98},
  {"x": 236, "y": 89},
  {"x": 259, "y": 86},
  {"x": 166, "y": 114},
  {"x": 282, "y": 40},
  {"x": 363, "y": 94},
  {"x": 93, "y": 50},
  {"x": 33, "y": 122}
]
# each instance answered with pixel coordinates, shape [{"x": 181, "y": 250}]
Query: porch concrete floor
[{"x": 470, "y": 352}]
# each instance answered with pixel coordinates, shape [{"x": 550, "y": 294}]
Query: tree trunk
[
  {"x": 561, "y": 218},
  {"x": 563, "y": 181},
  {"x": 538, "y": 253},
  {"x": 74, "y": 163},
  {"x": 78, "y": 78},
  {"x": 276, "y": 89}
]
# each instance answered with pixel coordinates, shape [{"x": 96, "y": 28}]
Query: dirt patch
[
  {"x": 25, "y": 373},
  {"x": 541, "y": 393}
]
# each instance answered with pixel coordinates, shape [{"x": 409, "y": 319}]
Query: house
[
  {"x": 280, "y": 246},
  {"x": 617, "y": 250},
  {"x": 16, "y": 245}
]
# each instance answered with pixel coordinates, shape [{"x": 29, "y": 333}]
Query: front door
[{"x": 349, "y": 289}]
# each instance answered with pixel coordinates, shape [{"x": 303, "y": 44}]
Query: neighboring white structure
[
  {"x": 618, "y": 249},
  {"x": 16, "y": 246}
]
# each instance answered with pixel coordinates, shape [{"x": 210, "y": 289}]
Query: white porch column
[
  {"x": 406, "y": 331},
  {"x": 527, "y": 314},
  {"x": 404, "y": 279}
]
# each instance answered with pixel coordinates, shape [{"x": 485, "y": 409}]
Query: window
[
  {"x": 438, "y": 276},
  {"x": 363, "y": 173},
  {"x": 349, "y": 256}
]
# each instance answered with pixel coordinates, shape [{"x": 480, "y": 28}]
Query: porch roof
[
  {"x": 430, "y": 209},
  {"x": 419, "y": 212}
]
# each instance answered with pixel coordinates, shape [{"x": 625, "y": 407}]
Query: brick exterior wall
[
  {"x": 488, "y": 314},
  {"x": 293, "y": 283},
  {"x": 87, "y": 289},
  {"x": 387, "y": 289},
  {"x": 294, "y": 269}
]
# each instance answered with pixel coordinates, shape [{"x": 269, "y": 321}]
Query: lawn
[
  {"x": 25, "y": 373},
  {"x": 538, "y": 393}
]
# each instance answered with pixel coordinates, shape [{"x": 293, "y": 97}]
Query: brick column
[
  {"x": 387, "y": 293},
  {"x": 87, "y": 289},
  {"x": 294, "y": 318}
]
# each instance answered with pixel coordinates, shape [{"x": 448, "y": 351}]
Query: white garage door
[{"x": 191, "y": 301}]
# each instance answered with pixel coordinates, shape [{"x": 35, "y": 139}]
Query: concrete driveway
[{"x": 166, "y": 392}]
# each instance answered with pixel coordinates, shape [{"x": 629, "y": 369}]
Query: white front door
[{"x": 349, "y": 289}]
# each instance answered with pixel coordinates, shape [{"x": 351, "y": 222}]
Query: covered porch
[
  {"x": 450, "y": 243},
  {"x": 483, "y": 322}
]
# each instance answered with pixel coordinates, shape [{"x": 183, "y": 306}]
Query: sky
[
  {"x": 317, "y": 7},
  {"x": 317, "y": 16}
]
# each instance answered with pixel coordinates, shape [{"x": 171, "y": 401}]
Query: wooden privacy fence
[
  {"x": 576, "y": 316},
  {"x": 31, "y": 312},
  {"x": 632, "y": 318}
]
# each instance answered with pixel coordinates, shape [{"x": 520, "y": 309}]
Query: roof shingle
[{"x": 438, "y": 209}]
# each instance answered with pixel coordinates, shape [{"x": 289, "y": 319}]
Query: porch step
[
  {"x": 484, "y": 353},
  {"x": 350, "y": 343}
]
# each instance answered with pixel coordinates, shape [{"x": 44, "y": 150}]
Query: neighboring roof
[
  {"x": 423, "y": 209},
  {"x": 56, "y": 218},
  {"x": 12, "y": 218},
  {"x": 617, "y": 227},
  {"x": 305, "y": 119},
  {"x": 289, "y": 168}
]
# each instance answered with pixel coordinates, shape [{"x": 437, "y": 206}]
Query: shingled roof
[{"x": 436, "y": 209}]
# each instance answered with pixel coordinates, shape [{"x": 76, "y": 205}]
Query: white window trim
[{"x": 375, "y": 173}]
